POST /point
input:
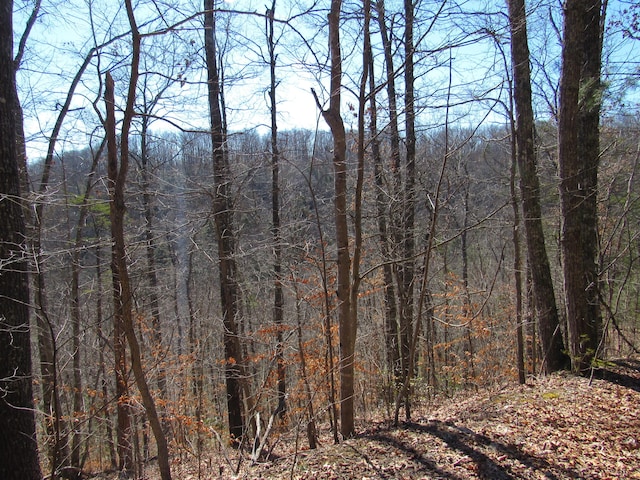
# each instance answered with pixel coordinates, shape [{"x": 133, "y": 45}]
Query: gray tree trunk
[{"x": 553, "y": 357}]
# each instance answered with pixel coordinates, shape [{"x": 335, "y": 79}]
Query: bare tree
[
  {"x": 278, "y": 296},
  {"x": 347, "y": 320},
  {"x": 122, "y": 294},
  {"x": 223, "y": 219}
]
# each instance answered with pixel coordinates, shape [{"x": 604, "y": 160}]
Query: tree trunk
[
  {"x": 395, "y": 212},
  {"x": 515, "y": 238},
  {"x": 406, "y": 266},
  {"x": 151, "y": 272},
  {"x": 122, "y": 288},
  {"x": 76, "y": 320},
  {"x": 579, "y": 152},
  {"x": 278, "y": 296},
  {"x": 548, "y": 322},
  {"x": 346, "y": 320},
  {"x": 18, "y": 447},
  {"x": 390, "y": 305},
  {"x": 223, "y": 218}
]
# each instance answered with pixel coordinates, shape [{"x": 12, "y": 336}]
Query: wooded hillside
[{"x": 211, "y": 279}]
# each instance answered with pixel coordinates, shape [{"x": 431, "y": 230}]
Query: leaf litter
[{"x": 555, "y": 427}]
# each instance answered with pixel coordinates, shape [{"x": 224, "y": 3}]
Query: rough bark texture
[
  {"x": 578, "y": 151},
  {"x": 545, "y": 301},
  {"x": 18, "y": 448},
  {"x": 223, "y": 218}
]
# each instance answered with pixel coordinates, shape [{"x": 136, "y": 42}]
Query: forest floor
[{"x": 555, "y": 427}]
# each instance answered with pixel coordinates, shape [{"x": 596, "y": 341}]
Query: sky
[{"x": 67, "y": 30}]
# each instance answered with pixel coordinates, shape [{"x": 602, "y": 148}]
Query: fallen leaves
[{"x": 555, "y": 427}]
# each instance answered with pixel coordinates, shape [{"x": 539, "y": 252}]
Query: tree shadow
[
  {"x": 461, "y": 439},
  {"x": 412, "y": 453},
  {"x": 625, "y": 373}
]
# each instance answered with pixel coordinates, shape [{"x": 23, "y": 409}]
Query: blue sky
[{"x": 66, "y": 31}]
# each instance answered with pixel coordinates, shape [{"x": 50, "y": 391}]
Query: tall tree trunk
[
  {"x": 346, "y": 321},
  {"x": 466, "y": 300},
  {"x": 123, "y": 431},
  {"x": 151, "y": 273},
  {"x": 407, "y": 267},
  {"x": 18, "y": 447},
  {"x": 395, "y": 211},
  {"x": 122, "y": 288},
  {"x": 278, "y": 296},
  {"x": 76, "y": 318},
  {"x": 102, "y": 367},
  {"x": 223, "y": 218},
  {"x": 548, "y": 322},
  {"x": 515, "y": 238},
  {"x": 579, "y": 153},
  {"x": 390, "y": 305}
]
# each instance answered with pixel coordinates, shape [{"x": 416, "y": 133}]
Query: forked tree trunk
[{"x": 121, "y": 286}]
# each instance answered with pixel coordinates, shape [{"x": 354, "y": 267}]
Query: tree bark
[
  {"x": 406, "y": 268},
  {"x": 223, "y": 218},
  {"x": 545, "y": 301},
  {"x": 390, "y": 305},
  {"x": 151, "y": 271},
  {"x": 346, "y": 319},
  {"x": 399, "y": 357},
  {"x": 18, "y": 447},
  {"x": 578, "y": 152}
]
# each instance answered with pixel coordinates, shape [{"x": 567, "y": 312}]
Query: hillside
[{"x": 556, "y": 427}]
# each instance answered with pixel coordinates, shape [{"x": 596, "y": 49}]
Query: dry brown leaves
[{"x": 556, "y": 427}]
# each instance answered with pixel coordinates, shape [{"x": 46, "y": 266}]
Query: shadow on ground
[
  {"x": 482, "y": 457},
  {"x": 625, "y": 373}
]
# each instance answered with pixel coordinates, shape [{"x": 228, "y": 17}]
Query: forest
[{"x": 229, "y": 226}]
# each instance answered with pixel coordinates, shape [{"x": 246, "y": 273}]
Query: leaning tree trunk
[
  {"x": 548, "y": 322},
  {"x": 121, "y": 284}
]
